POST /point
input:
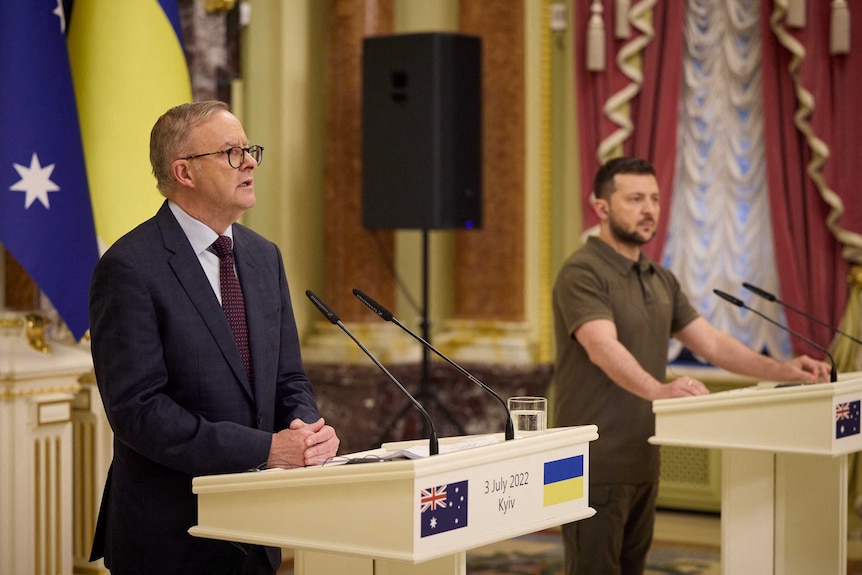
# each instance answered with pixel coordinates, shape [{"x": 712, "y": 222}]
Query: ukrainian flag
[
  {"x": 564, "y": 480},
  {"x": 128, "y": 68}
]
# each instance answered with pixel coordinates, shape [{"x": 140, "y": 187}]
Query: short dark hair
[{"x": 603, "y": 184}]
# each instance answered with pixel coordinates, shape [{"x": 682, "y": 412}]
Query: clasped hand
[{"x": 303, "y": 444}]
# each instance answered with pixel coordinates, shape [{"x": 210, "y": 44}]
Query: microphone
[
  {"x": 833, "y": 376},
  {"x": 387, "y": 316},
  {"x": 433, "y": 447},
  {"x": 770, "y": 297}
]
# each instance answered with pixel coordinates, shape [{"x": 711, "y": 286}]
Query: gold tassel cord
[
  {"x": 851, "y": 242},
  {"x": 629, "y": 60}
]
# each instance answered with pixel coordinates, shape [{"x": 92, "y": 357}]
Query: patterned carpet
[
  {"x": 542, "y": 554},
  {"x": 685, "y": 544}
]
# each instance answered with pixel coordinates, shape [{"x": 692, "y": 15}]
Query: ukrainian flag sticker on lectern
[{"x": 564, "y": 480}]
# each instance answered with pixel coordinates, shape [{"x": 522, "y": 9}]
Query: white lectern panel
[
  {"x": 406, "y": 510},
  {"x": 819, "y": 419},
  {"x": 784, "y": 470}
]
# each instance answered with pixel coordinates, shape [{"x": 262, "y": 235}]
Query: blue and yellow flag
[
  {"x": 129, "y": 68},
  {"x": 46, "y": 221},
  {"x": 564, "y": 480}
]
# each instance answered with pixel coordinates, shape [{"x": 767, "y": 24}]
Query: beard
[{"x": 630, "y": 237}]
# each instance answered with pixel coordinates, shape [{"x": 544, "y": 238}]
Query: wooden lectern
[
  {"x": 784, "y": 469},
  {"x": 406, "y": 516}
]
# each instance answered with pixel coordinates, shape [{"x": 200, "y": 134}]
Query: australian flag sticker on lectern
[
  {"x": 847, "y": 419},
  {"x": 443, "y": 508}
]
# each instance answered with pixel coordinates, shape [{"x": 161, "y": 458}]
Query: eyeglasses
[{"x": 235, "y": 155}]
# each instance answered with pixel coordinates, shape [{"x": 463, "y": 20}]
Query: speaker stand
[{"x": 427, "y": 395}]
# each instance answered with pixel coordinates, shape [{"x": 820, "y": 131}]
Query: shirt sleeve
[{"x": 581, "y": 296}]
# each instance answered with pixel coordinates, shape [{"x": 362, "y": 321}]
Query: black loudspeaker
[{"x": 422, "y": 131}]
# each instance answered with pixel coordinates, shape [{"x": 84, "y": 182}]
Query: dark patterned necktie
[{"x": 232, "y": 301}]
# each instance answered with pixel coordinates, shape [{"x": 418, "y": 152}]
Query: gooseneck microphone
[
  {"x": 386, "y": 315},
  {"x": 433, "y": 447},
  {"x": 770, "y": 297},
  {"x": 833, "y": 376}
]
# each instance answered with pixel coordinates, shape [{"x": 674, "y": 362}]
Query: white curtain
[{"x": 719, "y": 234}]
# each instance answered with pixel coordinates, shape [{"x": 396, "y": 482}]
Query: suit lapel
[{"x": 187, "y": 268}]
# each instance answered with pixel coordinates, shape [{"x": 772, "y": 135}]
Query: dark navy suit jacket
[{"x": 176, "y": 393}]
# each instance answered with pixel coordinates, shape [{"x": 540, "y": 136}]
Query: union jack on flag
[
  {"x": 847, "y": 419},
  {"x": 433, "y": 498},
  {"x": 443, "y": 508}
]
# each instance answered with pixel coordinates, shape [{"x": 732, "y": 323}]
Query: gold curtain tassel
[
  {"x": 596, "y": 39},
  {"x": 839, "y": 35}
]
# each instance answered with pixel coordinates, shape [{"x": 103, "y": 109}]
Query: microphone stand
[
  {"x": 833, "y": 375},
  {"x": 425, "y": 382},
  {"x": 433, "y": 445},
  {"x": 386, "y": 315},
  {"x": 426, "y": 395},
  {"x": 773, "y": 298}
]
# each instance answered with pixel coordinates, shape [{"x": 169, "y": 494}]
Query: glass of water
[{"x": 529, "y": 415}]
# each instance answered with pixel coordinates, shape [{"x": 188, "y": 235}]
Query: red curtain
[
  {"x": 654, "y": 110},
  {"x": 811, "y": 268}
]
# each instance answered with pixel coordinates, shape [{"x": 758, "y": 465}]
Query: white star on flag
[{"x": 35, "y": 181}]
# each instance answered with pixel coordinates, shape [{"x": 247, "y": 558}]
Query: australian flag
[
  {"x": 443, "y": 508},
  {"x": 847, "y": 419},
  {"x": 46, "y": 221}
]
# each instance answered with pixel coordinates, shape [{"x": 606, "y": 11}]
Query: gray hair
[{"x": 170, "y": 135}]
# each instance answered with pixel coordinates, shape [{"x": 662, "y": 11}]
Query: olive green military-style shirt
[{"x": 645, "y": 302}]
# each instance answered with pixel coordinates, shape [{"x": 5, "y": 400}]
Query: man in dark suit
[{"x": 171, "y": 373}]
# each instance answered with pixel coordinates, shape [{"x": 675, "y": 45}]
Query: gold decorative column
[
  {"x": 354, "y": 257},
  {"x": 92, "y": 451},
  {"x": 489, "y": 323},
  {"x": 37, "y": 389}
]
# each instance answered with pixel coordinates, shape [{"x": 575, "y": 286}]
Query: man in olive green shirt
[{"x": 614, "y": 314}]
